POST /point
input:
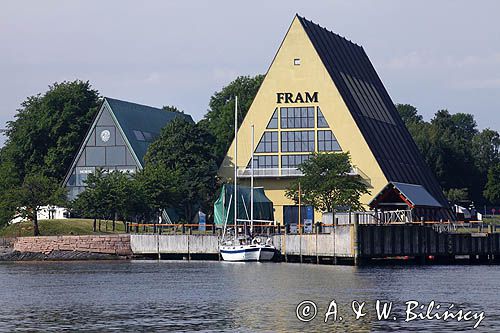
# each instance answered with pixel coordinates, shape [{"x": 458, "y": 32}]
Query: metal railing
[
  {"x": 280, "y": 172},
  {"x": 276, "y": 229},
  {"x": 269, "y": 172}
]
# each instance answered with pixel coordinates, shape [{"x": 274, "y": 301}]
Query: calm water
[{"x": 215, "y": 296}]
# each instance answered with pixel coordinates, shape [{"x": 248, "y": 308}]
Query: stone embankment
[{"x": 87, "y": 247}]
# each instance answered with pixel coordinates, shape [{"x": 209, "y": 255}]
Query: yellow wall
[{"x": 310, "y": 76}]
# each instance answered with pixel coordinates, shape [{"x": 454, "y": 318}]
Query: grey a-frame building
[{"x": 117, "y": 140}]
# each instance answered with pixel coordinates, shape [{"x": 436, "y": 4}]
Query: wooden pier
[{"x": 356, "y": 244}]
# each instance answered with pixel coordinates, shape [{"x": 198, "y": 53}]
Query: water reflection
[{"x": 217, "y": 296}]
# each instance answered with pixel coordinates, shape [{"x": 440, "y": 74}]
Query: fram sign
[{"x": 286, "y": 97}]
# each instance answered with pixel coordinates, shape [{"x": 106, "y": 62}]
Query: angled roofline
[
  {"x": 105, "y": 105},
  {"x": 372, "y": 108},
  {"x": 394, "y": 185},
  {"x": 258, "y": 91},
  {"x": 127, "y": 143},
  {"x": 82, "y": 145},
  {"x": 303, "y": 18}
]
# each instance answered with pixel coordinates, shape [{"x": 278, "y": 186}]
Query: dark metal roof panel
[
  {"x": 146, "y": 119},
  {"x": 417, "y": 194},
  {"x": 372, "y": 109}
]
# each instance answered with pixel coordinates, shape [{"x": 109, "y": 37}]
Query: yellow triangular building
[{"x": 322, "y": 94}]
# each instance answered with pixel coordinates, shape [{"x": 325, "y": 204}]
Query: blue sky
[{"x": 432, "y": 54}]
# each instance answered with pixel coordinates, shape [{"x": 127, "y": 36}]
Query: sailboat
[{"x": 244, "y": 246}]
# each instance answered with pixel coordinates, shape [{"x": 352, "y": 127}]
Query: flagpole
[
  {"x": 251, "y": 185},
  {"x": 235, "y": 169}
]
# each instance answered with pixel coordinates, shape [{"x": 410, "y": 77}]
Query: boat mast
[
  {"x": 251, "y": 185},
  {"x": 235, "y": 168}
]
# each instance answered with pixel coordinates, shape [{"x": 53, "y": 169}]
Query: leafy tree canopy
[
  {"x": 186, "y": 150},
  {"x": 326, "y": 184},
  {"x": 455, "y": 150},
  {"x": 219, "y": 119},
  {"x": 409, "y": 113},
  {"x": 37, "y": 190},
  {"x": 172, "y": 108},
  {"x": 492, "y": 189},
  {"x": 49, "y": 128},
  {"x": 486, "y": 149},
  {"x": 457, "y": 195}
]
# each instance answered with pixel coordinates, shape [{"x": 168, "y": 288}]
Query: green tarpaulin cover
[{"x": 262, "y": 209}]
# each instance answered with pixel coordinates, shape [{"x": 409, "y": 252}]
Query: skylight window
[
  {"x": 296, "y": 62},
  {"x": 139, "y": 135},
  {"x": 147, "y": 136}
]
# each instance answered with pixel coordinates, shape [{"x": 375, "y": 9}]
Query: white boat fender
[{"x": 256, "y": 240}]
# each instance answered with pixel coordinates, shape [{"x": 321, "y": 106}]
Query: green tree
[
  {"x": 172, "y": 108},
  {"x": 93, "y": 201},
  {"x": 156, "y": 189},
  {"x": 456, "y": 195},
  {"x": 219, "y": 119},
  {"x": 185, "y": 149},
  {"x": 115, "y": 199},
  {"x": 326, "y": 183},
  {"x": 492, "y": 188},
  {"x": 9, "y": 179},
  {"x": 409, "y": 114},
  {"x": 458, "y": 154},
  {"x": 37, "y": 190},
  {"x": 486, "y": 149},
  {"x": 137, "y": 205},
  {"x": 49, "y": 128}
]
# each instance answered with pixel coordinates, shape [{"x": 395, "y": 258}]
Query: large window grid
[
  {"x": 327, "y": 141},
  {"x": 273, "y": 123},
  {"x": 322, "y": 123},
  {"x": 297, "y": 141},
  {"x": 290, "y": 123},
  {"x": 268, "y": 143},
  {"x": 293, "y": 161},
  {"x": 297, "y": 117},
  {"x": 264, "y": 162}
]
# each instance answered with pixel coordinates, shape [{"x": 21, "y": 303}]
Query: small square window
[{"x": 296, "y": 62}]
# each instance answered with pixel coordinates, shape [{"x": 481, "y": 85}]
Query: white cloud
[
  {"x": 220, "y": 74},
  {"x": 487, "y": 83},
  {"x": 431, "y": 60}
]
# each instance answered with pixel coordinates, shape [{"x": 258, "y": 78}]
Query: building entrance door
[{"x": 291, "y": 216}]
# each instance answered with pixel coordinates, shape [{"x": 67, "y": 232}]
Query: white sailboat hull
[{"x": 255, "y": 252}]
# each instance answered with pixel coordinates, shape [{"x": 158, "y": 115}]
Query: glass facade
[
  {"x": 268, "y": 143},
  {"x": 293, "y": 161},
  {"x": 264, "y": 162},
  {"x": 297, "y": 117},
  {"x": 297, "y": 141},
  {"x": 273, "y": 123},
  {"x": 322, "y": 123},
  {"x": 105, "y": 149},
  {"x": 296, "y": 132},
  {"x": 327, "y": 141}
]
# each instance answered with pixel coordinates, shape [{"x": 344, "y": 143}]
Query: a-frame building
[
  {"x": 322, "y": 94},
  {"x": 117, "y": 140}
]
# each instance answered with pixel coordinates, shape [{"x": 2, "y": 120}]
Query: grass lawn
[
  {"x": 60, "y": 227},
  {"x": 492, "y": 220}
]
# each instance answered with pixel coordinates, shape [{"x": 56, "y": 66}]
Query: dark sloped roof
[
  {"x": 146, "y": 119},
  {"x": 417, "y": 195},
  {"x": 372, "y": 109}
]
